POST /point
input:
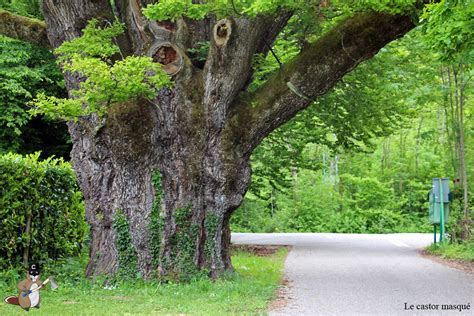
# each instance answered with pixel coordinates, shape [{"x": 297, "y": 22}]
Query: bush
[
  {"x": 252, "y": 217},
  {"x": 367, "y": 193},
  {"x": 45, "y": 194},
  {"x": 363, "y": 205}
]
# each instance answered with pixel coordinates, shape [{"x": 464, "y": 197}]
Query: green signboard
[
  {"x": 439, "y": 197},
  {"x": 435, "y": 211}
]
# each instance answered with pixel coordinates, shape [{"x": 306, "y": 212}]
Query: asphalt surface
[{"x": 362, "y": 274}]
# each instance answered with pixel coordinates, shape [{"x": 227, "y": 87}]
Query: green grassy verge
[
  {"x": 462, "y": 251},
  {"x": 246, "y": 292}
]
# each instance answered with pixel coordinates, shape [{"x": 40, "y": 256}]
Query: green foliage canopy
[
  {"x": 25, "y": 70},
  {"x": 174, "y": 9},
  {"x": 106, "y": 80},
  {"x": 449, "y": 30}
]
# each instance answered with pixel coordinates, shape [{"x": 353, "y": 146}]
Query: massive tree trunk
[{"x": 199, "y": 135}]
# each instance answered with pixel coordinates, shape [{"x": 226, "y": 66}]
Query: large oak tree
[{"x": 199, "y": 134}]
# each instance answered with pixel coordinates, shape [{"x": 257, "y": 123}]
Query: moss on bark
[{"x": 23, "y": 28}]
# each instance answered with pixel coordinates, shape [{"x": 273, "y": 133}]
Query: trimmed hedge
[{"x": 45, "y": 194}]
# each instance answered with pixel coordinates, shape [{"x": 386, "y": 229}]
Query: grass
[
  {"x": 462, "y": 251},
  {"x": 248, "y": 291}
]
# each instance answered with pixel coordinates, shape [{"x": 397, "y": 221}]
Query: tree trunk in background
[
  {"x": 198, "y": 135},
  {"x": 451, "y": 130},
  {"x": 417, "y": 145},
  {"x": 459, "y": 95},
  {"x": 455, "y": 81}
]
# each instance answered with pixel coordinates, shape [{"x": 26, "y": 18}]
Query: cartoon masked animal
[{"x": 29, "y": 289}]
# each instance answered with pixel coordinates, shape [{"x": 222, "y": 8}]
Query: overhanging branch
[
  {"x": 23, "y": 28},
  {"x": 312, "y": 73}
]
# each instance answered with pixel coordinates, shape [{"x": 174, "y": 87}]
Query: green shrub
[
  {"x": 367, "y": 193},
  {"x": 253, "y": 217},
  {"x": 363, "y": 205},
  {"x": 46, "y": 193}
]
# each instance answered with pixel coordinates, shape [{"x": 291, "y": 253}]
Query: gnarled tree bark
[{"x": 199, "y": 135}]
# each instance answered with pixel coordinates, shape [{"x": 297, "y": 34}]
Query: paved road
[{"x": 359, "y": 274}]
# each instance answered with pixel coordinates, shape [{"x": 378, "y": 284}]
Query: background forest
[{"x": 360, "y": 159}]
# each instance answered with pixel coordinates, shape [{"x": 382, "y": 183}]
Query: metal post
[
  {"x": 441, "y": 211},
  {"x": 434, "y": 229}
]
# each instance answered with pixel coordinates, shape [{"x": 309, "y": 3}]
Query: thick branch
[
  {"x": 23, "y": 28},
  {"x": 228, "y": 67},
  {"x": 312, "y": 73}
]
